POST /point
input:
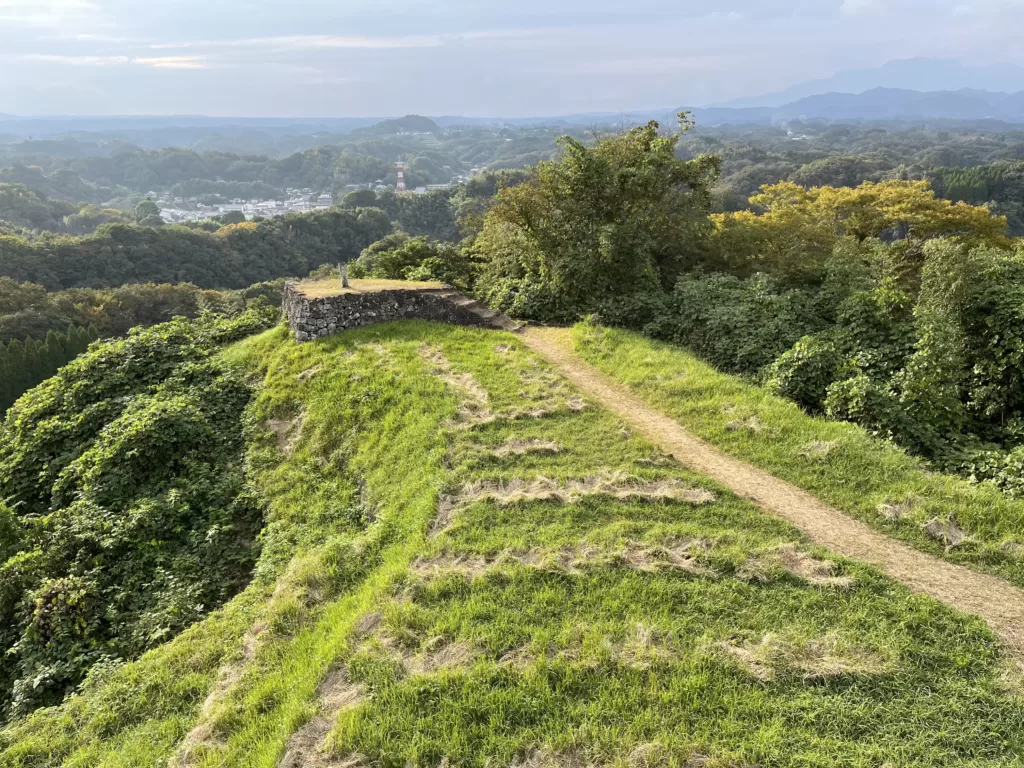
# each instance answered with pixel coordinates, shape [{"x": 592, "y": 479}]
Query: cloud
[
  {"x": 164, "y": 62},
  {"x": 863, "y": 7},
  {"x": 41, "y": 13},
  {"x": 308, "y": 42}
]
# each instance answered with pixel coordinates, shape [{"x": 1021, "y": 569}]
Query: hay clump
[
  {"x": 474, "y": 400},
  {"x": 288, "y": 432},
  {"x": 818, "y": 659},
  {"x": 946, "y": 532},
  {"x": 894, "y": 510},
  {"x": 617, "y": 484},
  {"x": 819, "y": 449},
  {"x": 519, "y": 447},
  {"x": 789, "y": 558},
  {"x": 753, "y": 425}
]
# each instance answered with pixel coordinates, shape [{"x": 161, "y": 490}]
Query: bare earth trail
[{"x": 999, "y": 603}]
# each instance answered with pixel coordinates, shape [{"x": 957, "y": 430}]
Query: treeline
[
  {"x": 1000, "y": 185},
  {"x": 232, "y": 257},
  {"x": 28, "y": 309},
  {"x": 226, "y": 190},
  {"x": 60, "y": 184},
  {"x": 27, "y": 209},
  {"x": 23, "y": 365},
  {"x": 838, "y": 155}
]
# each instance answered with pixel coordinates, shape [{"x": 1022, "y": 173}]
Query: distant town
[{"x": 178, "y": 210}]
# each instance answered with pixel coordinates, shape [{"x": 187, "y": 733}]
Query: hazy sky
[{"x": 467, "y": 57}]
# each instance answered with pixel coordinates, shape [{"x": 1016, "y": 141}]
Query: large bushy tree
[{"x": 601, "y": 222}]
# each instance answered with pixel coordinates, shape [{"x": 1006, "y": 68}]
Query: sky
[{"x": 358, "y": 58}]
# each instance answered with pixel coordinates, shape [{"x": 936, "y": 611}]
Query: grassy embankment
[
  {"x": 579, "y": 599},
  {"x": 839, "y": 463}
]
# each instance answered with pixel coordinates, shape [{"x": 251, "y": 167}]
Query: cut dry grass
[
  {"x": 614, "y": 483},
  {"x": 518, "y": 447},
  {"x": 816, "y": 659}
]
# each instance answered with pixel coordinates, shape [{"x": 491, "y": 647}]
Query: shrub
[
  {"x": 738, "y": 325},
  {"x": 804, "y": 372}
]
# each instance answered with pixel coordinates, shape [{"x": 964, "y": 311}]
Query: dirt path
[{"x": 996, "y": 601}]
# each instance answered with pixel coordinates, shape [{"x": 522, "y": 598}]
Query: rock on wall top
[{"x": 322, "y": 307}]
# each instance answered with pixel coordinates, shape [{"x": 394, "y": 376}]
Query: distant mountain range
[
  {"x": 879, "y": 104},
  {"x": 876, "y": 105},
  {"x": 918, "y": 74}
]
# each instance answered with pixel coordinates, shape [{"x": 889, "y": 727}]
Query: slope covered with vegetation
[
  {"x": 124, "y": 516},
  {"x": 464, "y": 561}
]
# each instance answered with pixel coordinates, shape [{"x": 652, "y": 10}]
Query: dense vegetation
[
  {"x": 232, "y": 257},
  {"x": 365, "y": 157},
  {"x": 29, "y": 310},
  {"x": 125, "y": 517},
  {"x": 23, "y": 365}
]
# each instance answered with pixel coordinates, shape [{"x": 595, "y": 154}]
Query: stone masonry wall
[{"x": 310, "y": 318}]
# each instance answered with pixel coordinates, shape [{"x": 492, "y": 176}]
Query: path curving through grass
[{"x": 999, "y": 603}]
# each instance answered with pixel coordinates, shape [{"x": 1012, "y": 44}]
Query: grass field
[
  {"x": 466, "y": 563},
  {"x": 322, "y": 289},
  {"x": 839, "y": 463}
]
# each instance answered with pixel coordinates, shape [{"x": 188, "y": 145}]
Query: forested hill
[{"x": 232, "y": 257}]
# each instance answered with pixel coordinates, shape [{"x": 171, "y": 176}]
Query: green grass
[
  {"x": 571, "y": 639},
  {"x": 839, "y": 463}
]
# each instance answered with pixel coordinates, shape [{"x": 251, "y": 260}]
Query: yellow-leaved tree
[{"x": 792, "y": 230}]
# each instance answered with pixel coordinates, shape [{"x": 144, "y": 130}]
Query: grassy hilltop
[{"x": 464, "y": 562}]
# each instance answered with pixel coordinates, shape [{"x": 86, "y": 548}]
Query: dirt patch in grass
[
  {"x": 441, "y": 655},
  {"x": 307, "y": 747},
  {"x": 820, "y": 659},
  {"x": 474, "y": 400},
  {"x": 436, "y": 655},
  {"x": 467, "y": 565},
  {"x": 616, "y": 484},
  {"x": 684, "y": 556},
  {"x": 204, "y": 734},
  {"x": 309, "y": 373},
  {"x": 524, "y": 447},
  {"x": 804, "y": 566},
  {"x": 288, "y": 432},
  {"x": 446, "y": 507}
]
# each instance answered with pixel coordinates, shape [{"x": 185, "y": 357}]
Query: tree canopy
[{"x": 622, "y": 217}]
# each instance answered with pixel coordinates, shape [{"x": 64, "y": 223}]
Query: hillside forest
[{"x": 870, "y": 276}]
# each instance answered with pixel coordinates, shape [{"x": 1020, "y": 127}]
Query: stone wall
[{"x": 311, "y": 318}]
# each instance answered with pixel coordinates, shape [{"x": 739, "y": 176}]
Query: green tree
[
  {"x": 232, "y": 217},
  {"x": 624, "y": 217},
  {"x": 360, "y": 198},
  {"x": 145, "y": 209}
]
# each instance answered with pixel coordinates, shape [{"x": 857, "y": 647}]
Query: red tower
[{"x": 400, "y": 186}]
